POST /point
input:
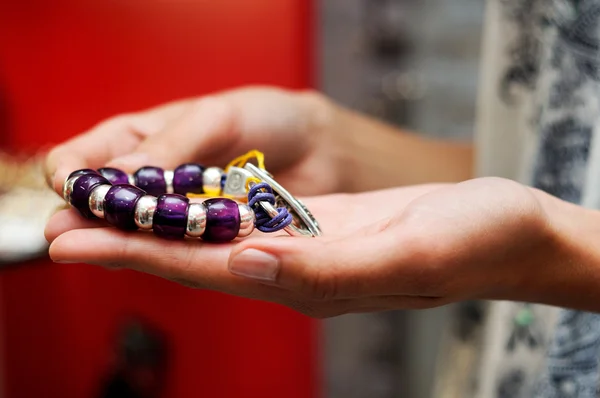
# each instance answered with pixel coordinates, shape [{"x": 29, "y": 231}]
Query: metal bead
[
  {"x": 247, "y": 218},
  {"x": 196, "y": 222},
  {"x": 131, "y": 179},
  {"x": 212, "y": 180},
  {"x": 96, "y": 200},
  {"x": 169, "y": 174},
  {"x": 68, "y": 188},
  {"x": 144, "y": 211}
]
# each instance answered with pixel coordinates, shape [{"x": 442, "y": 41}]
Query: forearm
[{"x": 379, "y": 156}]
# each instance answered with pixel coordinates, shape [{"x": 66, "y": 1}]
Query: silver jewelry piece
[
  {"x": 169, "y": 174},
  {"x": 144, "y": 211},
  {"x": 68, "y": 188},
  {"x": 235, "y": 184},
  {"x": 304, "y": 223},
  {"x": 211, "y": 179},
  {"x": 247, "y": 218},
  {"x": 196, "y": 221},
  {"x": 131, "y": 179},
  {"x": 96, "y": 200}
]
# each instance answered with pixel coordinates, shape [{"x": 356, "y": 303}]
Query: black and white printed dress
[{"x": 538, "y": 123}]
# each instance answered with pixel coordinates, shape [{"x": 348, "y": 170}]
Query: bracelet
[{"x": 235, "y": 201}]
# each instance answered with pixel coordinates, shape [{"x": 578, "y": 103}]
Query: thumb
[
  {"x": 321, "y": 269},
  {"x": 203, "y": 130}
]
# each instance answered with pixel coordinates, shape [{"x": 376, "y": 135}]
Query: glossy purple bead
[
  {"x": 222, "y": 220},
  {"x": 82, "y": 172},
  {"x": 119, "y": 206},
  {"x": 170, "y": 218},
  {"x": 151, "y": 180},
  {"x": 82, "y": 189},
  {"x": 115, "y": 176},
  {"x": 187, "y": 178}
]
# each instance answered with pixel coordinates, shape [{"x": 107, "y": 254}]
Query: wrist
[{"x": 567, "y": 271}]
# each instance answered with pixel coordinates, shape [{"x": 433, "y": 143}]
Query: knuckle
[
  {"x": 116, "y": 121},
  {"x": 113, "y": 123},
  {"x": 53, "y": 154},
  {"x": 319, "y": 284}
]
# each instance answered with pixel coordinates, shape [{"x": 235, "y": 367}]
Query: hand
[
  {"x": 415, "y": 247},
  {"x": 294, "y": 129}
]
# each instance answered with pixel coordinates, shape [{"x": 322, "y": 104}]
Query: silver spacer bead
[
  {"x": 96, "y": 200},
  {"x": 144, "y": 211},
  {"x": 247, "y": 218},
  {"x": 196, "y": 221},
  {"x": 212, "y": 179},
  {"x": 169, "y": 174},
  {"x": 131, "y": 179},
  {"x": 68, "y": 188}
]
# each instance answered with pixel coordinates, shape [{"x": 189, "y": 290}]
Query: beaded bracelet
[{"x": 235, "y": 200}]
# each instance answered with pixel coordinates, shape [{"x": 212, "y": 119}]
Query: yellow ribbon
[{"x": 240, "y": 161}]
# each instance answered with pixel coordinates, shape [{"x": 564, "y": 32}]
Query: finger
[
  {"x": 206, "y": 127},
  {"x": 196, "y": 265},
  {"x": 191, "y": 264},
  {"x": 112, "y": 138},
  {"x": 67, "y": 220},
  {"x": 326, "y": 269},
  {"x": 188, "y": 262}
]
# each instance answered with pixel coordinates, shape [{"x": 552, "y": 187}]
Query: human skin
[{"x": 419, "y": 238}]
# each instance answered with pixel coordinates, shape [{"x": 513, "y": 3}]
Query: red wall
[{"x": 66, "y": 64}]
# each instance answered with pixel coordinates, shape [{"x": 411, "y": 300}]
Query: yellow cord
[
  {"x": 251, "y": 180},
  {"x": 240, "y": 161}
]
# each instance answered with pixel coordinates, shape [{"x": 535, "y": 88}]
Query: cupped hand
[
  {"x": 294, "y": 129},
  {"x": 413, "y": 247}
]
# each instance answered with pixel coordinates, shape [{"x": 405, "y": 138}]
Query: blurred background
[{"x": 79, "y": 331}]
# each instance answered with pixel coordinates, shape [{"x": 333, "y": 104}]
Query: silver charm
[
  {"x": 144, "y": 211},
  {"x": 196, "y": 221},
  {"x": 247, "y": 218},
  {"x": 169, "y": 174},
  {"x": 235, "y": 184},
  {"x": 96, "y": 200},
  {"x": 304, "y": 223}
]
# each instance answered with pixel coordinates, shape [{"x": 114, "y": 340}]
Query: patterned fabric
[{"x": 550, "y": 80}]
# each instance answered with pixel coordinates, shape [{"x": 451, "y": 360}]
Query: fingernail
[
  {"x": 131, "y": 161},
  {"x": 254, "y": 264}
]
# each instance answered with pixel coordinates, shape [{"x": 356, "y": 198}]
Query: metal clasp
[{"x": 304, "y": 223}]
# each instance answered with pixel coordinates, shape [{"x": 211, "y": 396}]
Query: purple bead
[
  {"x": 222, "y": 220},
  {"x": 187, "y": 178},
  {"x": 82, "y": 172},
  {"x": 119, "y": 206},
  {"x": 151, "y": 180},
  {"x": 115, "y": 176},
  {"x": 170, "y": 218},
  {"x": 82, "y": 189}
]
